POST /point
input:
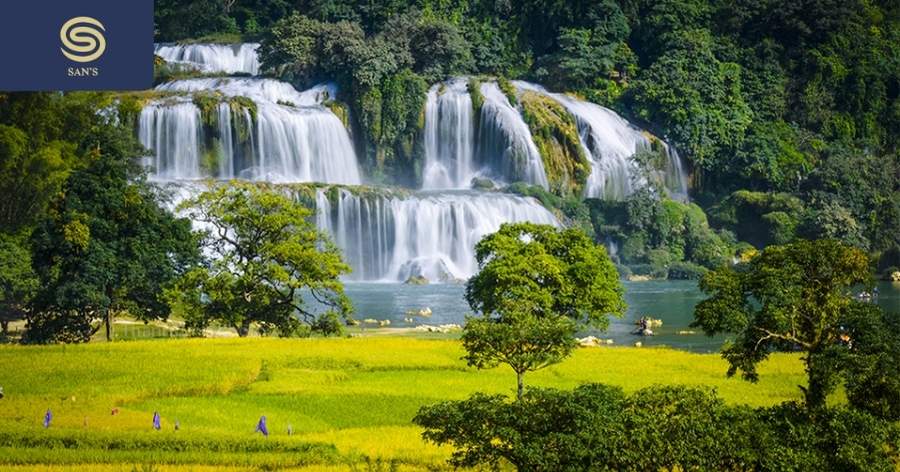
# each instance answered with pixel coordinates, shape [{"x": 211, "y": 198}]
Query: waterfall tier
[
  {"x": 259, "y": 129},
  {"x": 212, "y": 58},
  {"x": 393, "y": 237},
  {"x": 462, "y": 143},
  {"x": 611, "y": 142}
]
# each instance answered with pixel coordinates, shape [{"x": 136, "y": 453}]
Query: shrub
[
  {"x": 686, "y": 271},
  {"x": 596, "y": 427}
]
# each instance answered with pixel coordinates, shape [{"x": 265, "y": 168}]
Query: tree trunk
[
  {"x": 520, "y": 381},
  {"x": 816, "y": 391},
  {"x": 244, "y": 329},
  {"x": 4, "y": 328},
  {"x": 108, "y": 324}
]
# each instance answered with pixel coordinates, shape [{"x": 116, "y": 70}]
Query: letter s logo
[{"x": 82, "y": 39}]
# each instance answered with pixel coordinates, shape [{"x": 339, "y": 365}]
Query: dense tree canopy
[
  {"x": 265, "y": 257},
  {"x": 792, "y": 297},
  {"x": 598, "y": 427},
  {"x": 106, "y": 245}
]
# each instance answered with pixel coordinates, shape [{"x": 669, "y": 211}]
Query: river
[{"x": 671, "y": 301}]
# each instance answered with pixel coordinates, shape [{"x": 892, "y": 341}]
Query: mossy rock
[
  {"x": 509, "y": 90},
  {"x": 556, "y": 135},
  {"x": 416, "y": 280},
  {"x": 482, "y": 184},
  {"x": 130, "y": 104},
  {"x": 474, "y": 88},
  {"x": 341, "y": 110}
]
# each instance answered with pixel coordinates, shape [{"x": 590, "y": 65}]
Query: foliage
[
  {"x": 791, "y": 297},
  {"x": 760, "y": 218},
  {"x": 106, "y": 245},
  {"x": 671, "y": 238},
  {"x": 178, "y": 20},
  {"x": 40, "y": 134},
  {"x": 18, "y": 282},
  {"x": 535, "y": 286},
  {"x": 266, "y": 256},
  {"x": 873, "y": 367},
  {"x": 592, "y": 54},
  {"x": 597, "y": 427},
  {"x": 696, "y": 97}
]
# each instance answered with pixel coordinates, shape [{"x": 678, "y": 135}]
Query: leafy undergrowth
[{"x": 346, "y": 400}]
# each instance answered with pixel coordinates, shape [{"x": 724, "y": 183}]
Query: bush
[
  {"x": 648, "y": 270},
  {"x": 596, "y": 427},
  {"x": 686, "y": 271}
]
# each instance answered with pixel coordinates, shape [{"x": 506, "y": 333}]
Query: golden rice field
[{"x": 349, "y": 401}]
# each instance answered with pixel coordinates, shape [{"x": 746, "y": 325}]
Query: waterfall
[
  {"x": 610, "y": 142},
  {"x": 174, "y": 131},
  {"x": 449, "y": 137},
  {"x": 393, "y": 237},
  {"x": 291, "y": 138},
  {"x": 212, "y": 58},
  {"x": 505, "y": 141},
  {"x": 458, "y": 148}
]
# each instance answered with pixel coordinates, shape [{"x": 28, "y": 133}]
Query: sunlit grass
[{"x": 355, "y": 396}]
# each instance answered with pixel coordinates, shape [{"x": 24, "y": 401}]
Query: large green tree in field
[
  {"x": 789, "y": 298},
  {"x": 266, "y": 256},
  {"x": 536, "y": 286},
  {"x": 106, "y": 245}
]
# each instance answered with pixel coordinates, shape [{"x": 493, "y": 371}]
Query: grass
[{"x": 347, "y": 400}]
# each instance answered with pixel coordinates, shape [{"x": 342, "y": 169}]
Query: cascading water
[
  {"x": 288, "y": 137},
  {"x": 212, "y": 58},
  {"x": 458, "y": 148},
  {"x": 505, "y": 142},
  {"x": 433, "y": 235},
  {"x": 173, "y": 130},
  {"x": 610, "y": 141},
  {"x": 449, "y": 137},
  {"x": 265, "y": 130}
]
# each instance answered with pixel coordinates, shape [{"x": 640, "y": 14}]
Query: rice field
[{"x": 349, "y": 402}]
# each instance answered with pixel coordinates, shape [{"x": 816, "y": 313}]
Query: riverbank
[{"x": 346, "y": 399}]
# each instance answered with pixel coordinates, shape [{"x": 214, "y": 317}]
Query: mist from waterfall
[
  {"x": 460, "y": 146},
  {"x": 610, "y": 142},
  {"x": 293, "y": 138},
  {"x": 212, "y": 58},
  {"x": 433, "y": 235}
]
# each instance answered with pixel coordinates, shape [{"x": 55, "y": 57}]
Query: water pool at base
[{"x": 671, "y": 301}]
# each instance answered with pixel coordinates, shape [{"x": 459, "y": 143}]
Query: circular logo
[{"x": 82, "y": 39}]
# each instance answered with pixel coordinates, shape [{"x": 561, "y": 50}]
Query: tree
[
  {"x": 536, "y": 286},
  {"x": 588, "y": 54},
  {"x": 18, "y": 282},
  {"x": 266, "y": 256},
  {"x": 873, "y": 360},
  {"x": 39, "y": 138},
  {"x": 106, "y": 245},
  {"x": 788, "y": 298}
]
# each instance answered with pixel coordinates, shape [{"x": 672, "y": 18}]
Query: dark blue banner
[{"x": 76, "y": 45}]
